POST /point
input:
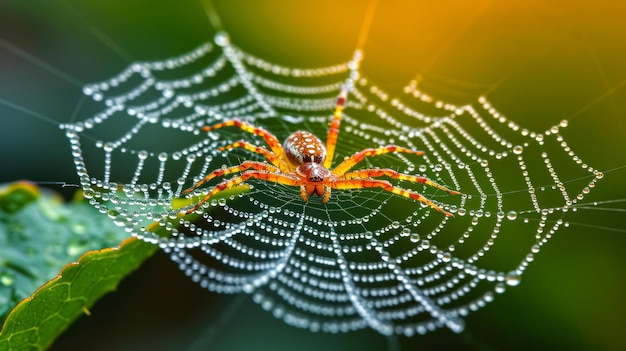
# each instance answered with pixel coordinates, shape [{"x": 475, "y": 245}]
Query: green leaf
[
  {"x": 39, "y": 235},
  {"x": 36, "y": 321}
]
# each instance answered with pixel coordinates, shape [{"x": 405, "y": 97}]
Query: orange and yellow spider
[{"x": 303, "y": 161}]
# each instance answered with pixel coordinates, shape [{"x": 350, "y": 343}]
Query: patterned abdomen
[{"x": 302, "y": 147}]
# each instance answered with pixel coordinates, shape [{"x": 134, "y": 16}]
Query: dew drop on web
[{"x": 511, "y": 215}]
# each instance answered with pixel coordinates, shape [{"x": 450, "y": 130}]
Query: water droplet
[
  {"x": 79, "y": 228},
  {"x": 513, "y": 278},
  {"x": 112, "y": 214},
  {"x": 6, "y": 279},
  {"x": 511, "y": 215},
  {"x": 168, "y": 93},
  {"x": 222, "y": 39},
  {"x": 143, "y": 154},
  {"x": 74, "y": 249},
  {"x": 108, "y": 147},
  {"x": 518, "y": 149},
  {"x": 88, "y": 193},
  {"x": 414, "y": 237}
]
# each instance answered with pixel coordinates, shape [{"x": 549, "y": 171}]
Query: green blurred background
[{"x": 538, "y": 61}]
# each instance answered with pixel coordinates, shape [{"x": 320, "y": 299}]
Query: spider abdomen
[{"x": 302, "y": 147}]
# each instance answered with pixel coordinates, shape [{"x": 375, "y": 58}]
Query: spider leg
[
  {"x": 258, "y": 174},
  {"x": 303, "y": 193},
  {"x": 270, "y": 139},
  {"x": 378, "y": 172},
  {"x": 270, "y": 156},
  {"x": 326, "y": 195},
  {"x": 357, "y": 157},
  {"x": 377, "y": 183},
  {"x": 224, "y": 171},
  {"x": 333, "y": 132}
]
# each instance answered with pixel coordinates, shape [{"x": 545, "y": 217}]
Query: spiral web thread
[{"x": 367, "y": 258}]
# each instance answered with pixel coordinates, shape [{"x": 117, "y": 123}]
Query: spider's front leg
[
  {"x": 333, "y": 131},
  {"x": 270, "y": 139},
  {"x": 270, "y": 156},
  {"x": 304, "y": 191},
  {"x": 357, "y": 157}
]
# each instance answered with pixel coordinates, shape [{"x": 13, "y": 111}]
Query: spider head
[
  {"x": 314, "y": 175},
  {"x": 313, "y": 172}
]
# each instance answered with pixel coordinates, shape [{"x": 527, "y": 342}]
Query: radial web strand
[{"x": 367, "y": 258}]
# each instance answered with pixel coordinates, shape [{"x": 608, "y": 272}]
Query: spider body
[
  {"x": 304, "y": 161},
  {"x": 301, "y": 147},
  {"x": 306, "y": 150}
]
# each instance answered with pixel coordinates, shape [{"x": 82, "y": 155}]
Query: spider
[{"x": 303, "y": 161}]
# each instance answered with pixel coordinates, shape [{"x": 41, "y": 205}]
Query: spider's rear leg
[
  {"x": 379, "y": 172},
  {"x": 377, "y": 183},
  {"x": 258, "y": 174},
  {"x": 224, "y": 171}
]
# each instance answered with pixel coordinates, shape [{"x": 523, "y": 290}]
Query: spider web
[{"x": 365, "y": 259}]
